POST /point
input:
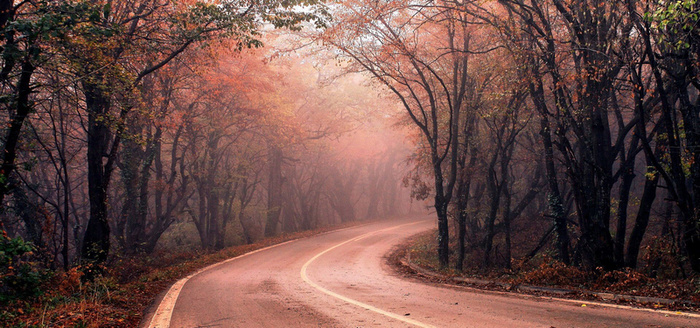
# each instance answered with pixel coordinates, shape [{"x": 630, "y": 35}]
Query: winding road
[{"x": 341, "y": 279}]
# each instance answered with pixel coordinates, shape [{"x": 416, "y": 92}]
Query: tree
[
  {"x": 388, "y": 40},
  {"x": 582, "y": 95},
  {"x": 156, "y": 34},
  {"x": 28, "y": 29},
  {"x": 671, "y": 40}
]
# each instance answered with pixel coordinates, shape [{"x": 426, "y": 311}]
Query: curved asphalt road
[{"x": 340, "y": 279}]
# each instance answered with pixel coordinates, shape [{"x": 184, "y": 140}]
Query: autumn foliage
[{"x": 558, "y": 131}]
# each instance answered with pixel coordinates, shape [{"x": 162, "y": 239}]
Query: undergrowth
[
  {"x": 117, "y": 298},
  {"x": 546, "y": 271}
]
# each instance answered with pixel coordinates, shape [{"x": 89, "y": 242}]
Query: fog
[{"x": 133, "y": 127}]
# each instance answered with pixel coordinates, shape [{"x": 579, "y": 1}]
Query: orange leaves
[{"x": 67, "y": 282}]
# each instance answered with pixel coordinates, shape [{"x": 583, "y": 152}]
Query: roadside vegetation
[
  {"x": 140, "y": 138},
  {"x": 553, "y": 138},
  {"x": 120, "y": 296},
  {"x": 545, "y": 271},
  {"x": 565, "y": 128}
]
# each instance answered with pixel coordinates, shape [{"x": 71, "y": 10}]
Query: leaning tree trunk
[
  {"x": 555, "y": 201},
  {"x": 642, "y": 221}
]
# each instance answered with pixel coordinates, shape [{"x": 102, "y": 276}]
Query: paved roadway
[{"x": 340, "y": 279}]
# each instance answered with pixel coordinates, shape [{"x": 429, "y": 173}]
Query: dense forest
[
  {"x": 134, "y": 126},
  {"x": 571, "y": 123},
  {"x": 570, "y": 127}
]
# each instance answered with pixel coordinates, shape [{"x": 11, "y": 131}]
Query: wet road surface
[{"x": 341, "y": 279}]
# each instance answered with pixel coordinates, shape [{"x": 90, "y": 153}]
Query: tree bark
[
  {"x": 624, "y": 196},
  {"x": 9, "y": 154},
  {"x": 554, "y": 199},
  {"x": 274, "y": 191},
  {"x": 642, "y": 221},
  {"x": 96, "y": 241},
  {"x": 462, "y": 203}
]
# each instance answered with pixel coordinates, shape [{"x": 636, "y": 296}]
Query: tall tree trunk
[
  {"x": 642, "y": 221},
  {"x": 675, "y": 178},
  {"x": 274, "y": 191},
  {"x": 624, "y": 196},
  {"x": 652, "y": 176},
  {"x": 96, "y": 241},
  {"x": 214, "y": 226},
  {"x": 128, "y": 224},
  {"x": 389, "y": 188},
  {"x": 140, "y": 236},
  {"x": 174, "y": 198},
  {"x": 463, "y": 190},
  {"x": 66, "y": 207},
  {"x": 690, "y": 112},
  {"x": 441, "y": 204},
  {"x": 506, "y": 209},
  {"x": 443, "y": 238},
  {"x": 555, "y": 201},
  {"x": 462, "y": 207},
  {"x": 627, "y": 166},
  {"x": 494, "y": 192},
  {"x": 9, "y": 154},
  {"x": 374, "y": 186}
]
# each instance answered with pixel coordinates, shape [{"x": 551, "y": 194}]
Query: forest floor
[
  {"x": 121, "y": 295},
  {"x": 543, "y": 276}
]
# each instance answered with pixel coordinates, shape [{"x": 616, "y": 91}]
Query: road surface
[{"x": 341, "y": 279}]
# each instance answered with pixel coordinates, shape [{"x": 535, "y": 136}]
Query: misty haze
[{"x": 454, "y": 163}]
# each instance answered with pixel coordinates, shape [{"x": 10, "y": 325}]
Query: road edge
[
  {"x": 155, "y": 315},
  {"x": 351, "y": 301},
  {"x": 413, "y": 270}
]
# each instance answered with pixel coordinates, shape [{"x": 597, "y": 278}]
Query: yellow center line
[{"x": 306, "y": 279}]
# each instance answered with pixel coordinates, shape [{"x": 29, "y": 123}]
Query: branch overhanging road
[{"x": 340, "y": 279}]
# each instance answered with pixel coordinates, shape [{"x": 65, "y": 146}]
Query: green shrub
[{"x": 19, "y": 278}]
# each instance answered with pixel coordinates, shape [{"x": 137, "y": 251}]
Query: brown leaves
[{"x": 118, "y": 299}]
